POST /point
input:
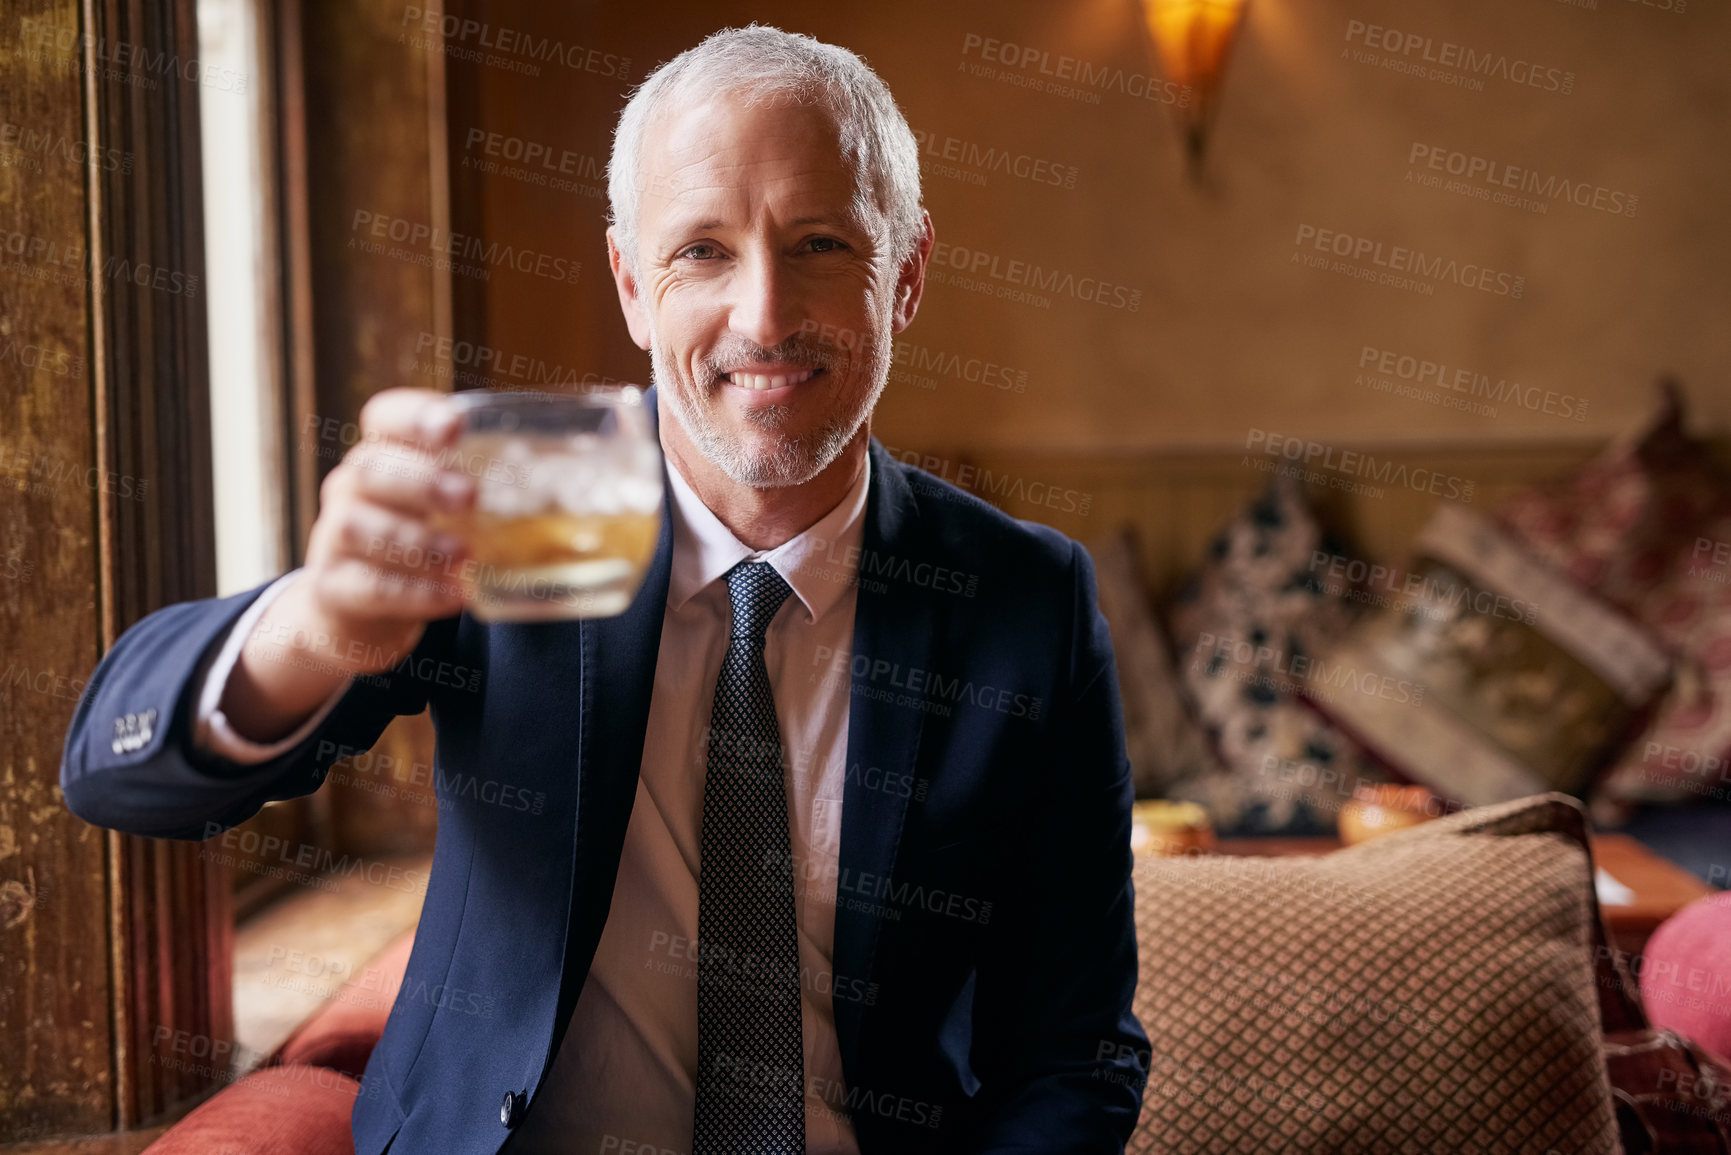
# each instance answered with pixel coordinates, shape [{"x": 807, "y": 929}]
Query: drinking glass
[{"x": 568, "y": 504}]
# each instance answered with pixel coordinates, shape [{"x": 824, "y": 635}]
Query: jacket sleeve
[
  {"x": 131, "y": 761},
  {"x": 1061, "y": 1059}
]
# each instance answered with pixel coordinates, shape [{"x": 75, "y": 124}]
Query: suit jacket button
[{"x": 511, "y": 1109}]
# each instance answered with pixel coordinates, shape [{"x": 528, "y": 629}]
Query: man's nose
[{"x": 767, "y": 308}]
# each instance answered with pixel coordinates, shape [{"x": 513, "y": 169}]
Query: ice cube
[{"x": 516, "y": 481}]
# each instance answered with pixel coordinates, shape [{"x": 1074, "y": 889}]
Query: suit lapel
[
  {"x": 615, "y": 686},
  {"x": 892, "y": 633}
]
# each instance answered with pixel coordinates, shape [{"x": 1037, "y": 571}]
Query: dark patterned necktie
[{"x": 750, "y": 1047}]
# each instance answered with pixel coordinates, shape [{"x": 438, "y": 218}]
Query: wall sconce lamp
[{"x": 1193, "y": 39}]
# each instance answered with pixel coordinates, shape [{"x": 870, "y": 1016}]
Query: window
[{"x": 248, "y": 438}]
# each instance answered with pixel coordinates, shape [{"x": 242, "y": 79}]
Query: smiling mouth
[{"x": 763, "y": 382}]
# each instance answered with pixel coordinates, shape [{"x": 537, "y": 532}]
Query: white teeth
[{"x": 760, "y": 381}]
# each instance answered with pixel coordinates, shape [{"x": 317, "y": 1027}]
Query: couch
[{"x": 1446, "y": 988}]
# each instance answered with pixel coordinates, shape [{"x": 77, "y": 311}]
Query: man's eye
[
  {"x": 700, "y": 251},
  {"x": 826, "y": 245}
]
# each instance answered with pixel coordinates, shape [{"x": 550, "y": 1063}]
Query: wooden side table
[{"x": 1660, "y": 887}]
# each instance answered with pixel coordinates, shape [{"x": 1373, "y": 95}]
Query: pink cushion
[
  {"x": 1686, "y": 974},
  {"x": 342, "y": 1035},
  {"x": 276, "y": 1111}
]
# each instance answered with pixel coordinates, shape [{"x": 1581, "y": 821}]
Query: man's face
[{"x": 763, "y": 291}]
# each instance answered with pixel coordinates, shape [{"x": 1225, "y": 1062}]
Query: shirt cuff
[{"x": 212, "y": 732}]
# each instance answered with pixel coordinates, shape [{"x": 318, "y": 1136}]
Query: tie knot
[{"x": 756, "y": 592}]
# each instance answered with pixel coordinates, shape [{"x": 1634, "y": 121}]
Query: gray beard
[{"x": 791, "y": 460}]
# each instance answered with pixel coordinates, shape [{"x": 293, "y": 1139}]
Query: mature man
[{"x": 834, "y": 848}]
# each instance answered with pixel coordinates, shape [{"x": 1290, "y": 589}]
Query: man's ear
[
  {"x": 911, "y": 283},
  {"x": 630, "y": 302}
]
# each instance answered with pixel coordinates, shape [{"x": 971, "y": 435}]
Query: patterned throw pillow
[
  {"x": 1647, "y": 526},
  {"x": 1167, "y": 747},
  {"x": 1245, "y": 629},
  {"x": 1493, "y": 677},
  {"x": 1428, "y": 991}
]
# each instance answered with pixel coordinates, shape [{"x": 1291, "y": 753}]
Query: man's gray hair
[{"x": 761, "y": 63}]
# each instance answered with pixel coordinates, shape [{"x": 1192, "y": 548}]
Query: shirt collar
[{"x": 821, "y": 563}]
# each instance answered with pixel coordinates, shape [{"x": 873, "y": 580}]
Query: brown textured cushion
[{"x": 1428, "y": 991}]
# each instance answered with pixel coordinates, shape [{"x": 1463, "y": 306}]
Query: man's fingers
[
  {"x": 416, "y": 416},
  {"x": 407, "y": 478},
  {"x": 362, "y": 589},
  {"x": 380, "y": 535}
]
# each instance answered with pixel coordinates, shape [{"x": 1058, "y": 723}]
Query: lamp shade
[{"x": 1193, "y": 39}]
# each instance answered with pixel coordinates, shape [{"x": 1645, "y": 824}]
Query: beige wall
[{"x": 1230, "y": 333}]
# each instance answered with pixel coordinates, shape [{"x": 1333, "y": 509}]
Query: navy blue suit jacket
[{"x": 983, "y": 914}]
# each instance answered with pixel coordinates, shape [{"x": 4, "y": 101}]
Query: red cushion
[
  {"x": 1686, "y": 974},
  {"x": 342, "y": 1035},
  {"x": 276, "y": 1111}
]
